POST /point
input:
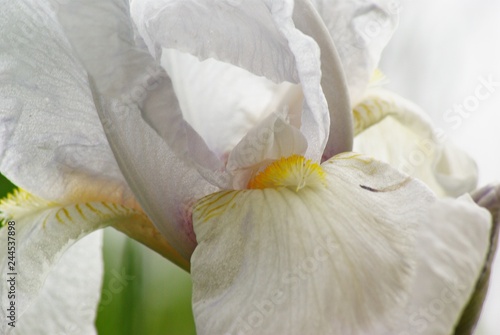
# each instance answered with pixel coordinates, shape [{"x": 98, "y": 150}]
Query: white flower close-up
[{"x": 255, "y": 144}]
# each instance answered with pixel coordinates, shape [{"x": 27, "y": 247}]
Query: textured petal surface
[
  {"x": 53, "y": 134},
  {"x": 122, "y": 71},
  {"x": 453, "y": 244},
  {"x": 68, "y": 300},
  {"x": 242, "y": 33},
  {"x": 43, "y": 232},
  {"x": 158, "y": 170},
  {"x": 51, "y": 139},
  {"x": 360, "y": 29},
  {"x": 102, "y": 34},
  {"x": 398, "y": 132},
  {"x": 331, "y": 259},
  {"x": 165, "y": 185}
]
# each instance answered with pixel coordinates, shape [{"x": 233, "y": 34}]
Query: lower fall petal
[
  {"x": 326, "y": 258},
  {"x": 453, "y": 242},
  {"x": 489, "y": 198},
  {"x": 68, "y": 301},
  {"x": 41, "y": 232}
]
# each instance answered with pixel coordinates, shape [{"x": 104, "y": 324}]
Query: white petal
[
  {"x": 453, "y": 244},
  {"x": 51, "y": 139},
  {"x": 224, "y": 102},
  {"x": 102, "y": 34},
  {"x": 315, "y": 115},
  {"x": 161, "y": 171},
  {"x": 266, "y": 44},
  {"x": 68, "y": 301},
  {"x": 360, "y": 30},
  {"x": 330, "y": 259},
  {"x": 239, "y": 32},
  {"x": 165, "y": 185},
  {"x": 403, "y": 136},
  {"x": 43, "y": 232}
]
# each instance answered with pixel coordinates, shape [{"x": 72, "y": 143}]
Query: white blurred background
[{"x": 441, "y": 52}]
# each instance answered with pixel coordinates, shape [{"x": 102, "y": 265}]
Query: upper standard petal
[
  {"x": 360, "y": 29},
  {"x": 282, "y": 52},
  {"x": 51, "y": 139},
  {"x": 68, "y": 301},
  {"x": 242, "y": 33}
]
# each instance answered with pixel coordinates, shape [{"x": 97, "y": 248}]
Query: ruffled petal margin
[
  {"x": 352, "y": 256},
  {"x": 330, "y": 259},
  {"x": 396, "y": 131}
]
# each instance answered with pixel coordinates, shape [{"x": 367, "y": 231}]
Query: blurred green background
[{"x": 153, "y": 297}]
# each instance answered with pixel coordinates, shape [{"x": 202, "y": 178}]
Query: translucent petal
[
  {"x": 102, "y": 34},
  {"x": 360, "y": 30},
  {"x": 68, "y": 300},
  {"x": 327, "y": 259},
  {"x": 266, "y": 44},
  {"x": 148, "y": 162},
  {"x": 43, "y": 232},
  {"x": 51, "y": 139},
  {"x": 398, "y": 132},
  {"x": 165, "y": 185},
  {"x": 224, "y": 102},
  {"x": 242, "y": 33}
]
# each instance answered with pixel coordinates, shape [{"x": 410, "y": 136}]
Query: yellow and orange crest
[{"x": 294, "y": 172}]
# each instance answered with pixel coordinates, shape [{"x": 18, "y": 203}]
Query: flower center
[{"x": 294, "y": 171}]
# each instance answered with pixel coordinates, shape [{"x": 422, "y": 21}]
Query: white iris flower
[{"x": 236, "y": 163}]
